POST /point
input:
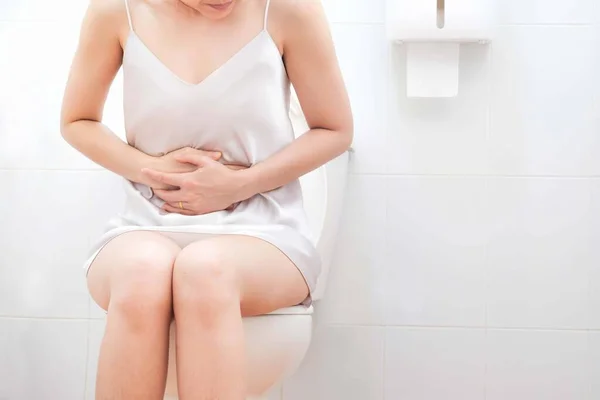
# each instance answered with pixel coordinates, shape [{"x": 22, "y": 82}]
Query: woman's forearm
[
  {"x": 311, "y": 150},
  {"x": 101, "y": 145}
]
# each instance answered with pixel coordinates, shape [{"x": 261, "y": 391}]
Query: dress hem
[{"x": 198, "y": 236}]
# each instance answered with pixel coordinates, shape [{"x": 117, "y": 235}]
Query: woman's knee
[
  {"x": 203, "y": 280},
  {"x": 140, "y": 278}
]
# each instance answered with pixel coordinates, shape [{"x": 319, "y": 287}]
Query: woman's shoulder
[
  {"x": 107, "y": 16},
  {"x": 293, "y": 15},
  {"x": 107, "y": 8},
  {"x": 291, "y": 19},
  {"x": 297, "y": 11}
]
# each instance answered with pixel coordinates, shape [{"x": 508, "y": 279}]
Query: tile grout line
[
  {"x": 456, "y": 327},
  {"x": 463, "y": 175},
  {"x": 548, "y": 25},
  {"x": 87, "y": 359},
  {"x": 589, "y": 302},
  {"x": 486, "y": 277},
  {"x": 486, "y": 274},
  {"x": 486, "y": 188},
  {"x": 485, "y": 364},
  {"x": 87, "y": 350},
  {"x": 53, "y": 170},
  {"x": 384, "y": 359},
  {"x": 37, "y": 318},
  {"x": 589, "y": 362}
]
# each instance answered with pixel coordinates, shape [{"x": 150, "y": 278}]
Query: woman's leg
[
  {"x": 132, "y": 278},
  {"x": 215, "y": 282}
]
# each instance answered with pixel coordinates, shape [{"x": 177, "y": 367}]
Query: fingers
[
  {"x": 236, "y": 167},
  {"x": 215, "y": 155},
  {"x": 170, "y": 196},
  {"x": 196, "y": 159},
  {"x": 176, "y": 210},
  {"x": 175, "y": 207},
  {"x": 164, "y": 177}
]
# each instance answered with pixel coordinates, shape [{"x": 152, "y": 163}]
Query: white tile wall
[
  {"x": 67, "y": 11},
  {"x": 96, "y": 331},
  {"x": 548, "y": 12},
  {"x": 594, "y": 312},
  {"x": 363, "y": 57},
  {"x": 30, "y": 122},
  {"x": 464, "y": 219},
  {"x": 44, "y": 243},
  {"x": 32, "y": 88},
  {"x": 535, "y": 365},
  {"x": 342, "y": 363},
  {"x": 42, "y": 359},
  {"x": 594, "y": 362},
  {"x": 355, "y": 11},
  {"x": 539, "y": 256},
  {"x": 424, "y": 364},
  {"x": 355, "y": 294},
  {"x": 437, "y": 231},
  {"x": 542, "y": 120}
]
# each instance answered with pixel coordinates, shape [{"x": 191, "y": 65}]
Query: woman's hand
[
  {"x": 209, "y": 186},
  {"x": 169, "y": 163}
]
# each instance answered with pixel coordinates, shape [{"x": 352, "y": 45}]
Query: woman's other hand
[
  {"x": 209, "y": 186},
  {"x": 168, "y": 163}
]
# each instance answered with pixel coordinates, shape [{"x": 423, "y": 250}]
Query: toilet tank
[{"x": 323, "y": 191}]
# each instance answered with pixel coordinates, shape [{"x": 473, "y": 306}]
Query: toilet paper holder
[
  {"x": 458, "y": 21},
  {"x": 432, "y": 31}
]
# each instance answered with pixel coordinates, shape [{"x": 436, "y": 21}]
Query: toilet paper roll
[{"x": 432, "y": 69}]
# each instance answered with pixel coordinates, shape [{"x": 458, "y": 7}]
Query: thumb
[
  {"x": 196, "y": 159},
  {"x": 215, "y": 155}
]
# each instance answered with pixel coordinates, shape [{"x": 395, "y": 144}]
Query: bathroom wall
[{"x": 465, "y": 269}]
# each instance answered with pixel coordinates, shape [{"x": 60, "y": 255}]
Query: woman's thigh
[
  {"x": 267, "y": 279},
  {"x": 132, "y": 260}
]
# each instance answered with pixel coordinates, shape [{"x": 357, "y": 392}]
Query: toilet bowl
[
  {"x": 275, "y": 345},
  {"x": 277, "y": 342}
]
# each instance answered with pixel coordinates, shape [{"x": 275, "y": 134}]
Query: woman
[{"x": 213, "y": 229}]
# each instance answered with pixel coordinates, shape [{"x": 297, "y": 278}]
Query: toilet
[{"x": 277, "y": 342}]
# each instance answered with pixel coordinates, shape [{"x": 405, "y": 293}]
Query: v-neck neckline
[{"x": 230, "y": 60}]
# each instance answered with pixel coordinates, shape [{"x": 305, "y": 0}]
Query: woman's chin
[{"x": 218, "y": 10}]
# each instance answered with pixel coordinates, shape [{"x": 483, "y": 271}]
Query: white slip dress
[{"x": 242, "y": 109}]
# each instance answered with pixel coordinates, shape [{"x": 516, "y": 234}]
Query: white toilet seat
[{"x": 295, "y": 310}]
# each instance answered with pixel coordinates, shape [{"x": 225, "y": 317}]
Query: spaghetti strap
[
  {"x": 266, "y": 15},
  {"x": 128, "y": 15}
]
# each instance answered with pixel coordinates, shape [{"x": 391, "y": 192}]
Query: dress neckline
[{"x": 135, "y": 39}]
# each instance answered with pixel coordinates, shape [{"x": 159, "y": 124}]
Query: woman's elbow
[
  {"x": 66, "y": 129},
  {"x": 67, "y": 119},
  {"x": 346, "y": 135}
]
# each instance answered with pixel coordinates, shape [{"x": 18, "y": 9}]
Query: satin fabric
[{"x": 241, "y": 109}]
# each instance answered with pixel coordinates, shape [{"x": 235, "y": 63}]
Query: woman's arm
[
  {"x": 96, "y": 62},
  {"x": 313, "y": 69}
]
